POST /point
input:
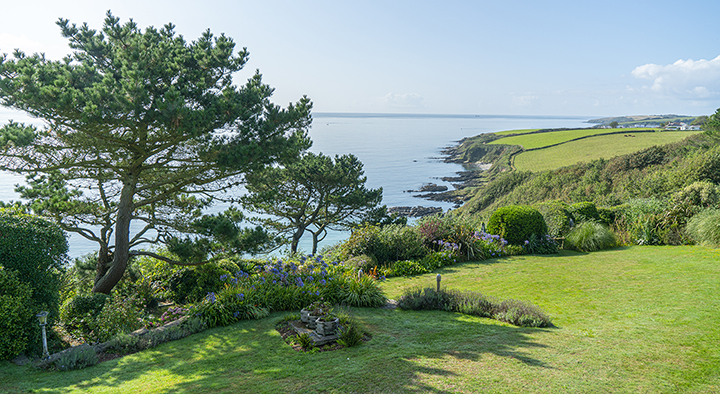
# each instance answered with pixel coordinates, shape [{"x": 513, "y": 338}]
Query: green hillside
[
  {"x": 593, "y": 148},
  {"x": 654, "y": 172},
  {"x": 547, "y": 138}
]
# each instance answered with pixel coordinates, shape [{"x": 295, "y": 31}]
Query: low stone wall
[{"x": 101, "y": 347}]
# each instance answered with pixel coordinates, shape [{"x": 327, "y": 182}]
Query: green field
[
  {"x": 631, "y": 320},
  {"x": 588, "y": 149},
  {"x": 523, "y": 131},
  {"x": 540, "y": 140}
]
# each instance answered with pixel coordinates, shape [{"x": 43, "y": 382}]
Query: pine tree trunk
[
  {"x": 296, "y": 239},
  {"x": 122, "y": 242}
]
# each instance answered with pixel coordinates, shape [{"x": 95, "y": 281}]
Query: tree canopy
[
  {"x": 139, "y": 126},
  {"x": 712, "y": 123},
  {"x": 314, "y": 194}
]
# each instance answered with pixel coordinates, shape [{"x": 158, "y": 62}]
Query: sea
[{"x": 400, "y": 152}]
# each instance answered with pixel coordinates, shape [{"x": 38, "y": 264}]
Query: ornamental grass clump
[
  {"x": 590, "y": 237},
  {"x": 704, "y": 228}
]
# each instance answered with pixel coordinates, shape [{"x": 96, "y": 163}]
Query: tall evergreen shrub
[
  {"x": 583, "y": 211},
  {"x": 35, "y": 250},
  {"x": 516, "y": 223}
]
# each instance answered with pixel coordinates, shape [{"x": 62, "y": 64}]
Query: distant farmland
[{"x": 586, "y": 149}]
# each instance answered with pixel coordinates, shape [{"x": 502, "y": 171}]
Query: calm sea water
[{"x": 399, "y": 151}]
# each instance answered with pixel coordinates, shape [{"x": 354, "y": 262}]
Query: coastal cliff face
[{"x": 482, "y": 160}]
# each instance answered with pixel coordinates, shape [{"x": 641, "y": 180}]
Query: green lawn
[
  {"x": 633, "y": 320},
  {"x": 522, "y": 131},
  {"x": 539, "y": 140},
  {"x": 588, "y": 149}
]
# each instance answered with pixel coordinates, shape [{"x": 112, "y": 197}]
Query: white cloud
[
  {"x": 407, "y": 100},
  {"x": 688, "y": 79}
]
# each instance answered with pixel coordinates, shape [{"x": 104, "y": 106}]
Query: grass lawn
[
  {"x": 588, "y": 149},
  {"x": 632, "y": 320},
  {"x": 522, "y": 131},
  {"x": 539, "y": 140}
]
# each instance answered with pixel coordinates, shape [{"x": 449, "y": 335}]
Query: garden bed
[{"x": 289, "y": 330}]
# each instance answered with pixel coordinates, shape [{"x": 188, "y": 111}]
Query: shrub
[
  {"x": 426, "y": 299},
  {"x": 591, "y": 236},
  {"x": 583, "y": 211},
  {"x": 15, "y": 314},
  {"x": 386, "y": 244},
  {"x": 399, "y": 243},
  {"x": 431, "y": 230},
  {"x": 436, "y": 260},
  {"x": 79, "y": 313},
  {"x": 124, "y": 344},
  {"x": 170, "y": 315},
  {"x": 362, "y": 241},
  {"x": 521, "y": 314},
  {"x": 485, "y": 246},
  {"x": 77, "y": 358},
  {"x": 228, "y": 307},
  {"x": 406, "y": 268},
  {"x": 516, "y": 223},
  {"x": 511, "y": 311},
  {"x": 704, "y": 227},
  {"x": 557, "y": 217},
  {"x": 36, "y": 250},
  {"x": 607, "y": 215},
  {"x": 118, "y": 315},
  {"x": 472, "y": 303},
  {"x": 191, "y": 284},
  {"x": 700, "y": 194},
  {"x": 440, "y": 230},
  {"x": 639, "y": 221},
  {"x": 540, "y": 245},
  {"x": 283, "y": 286},
  {"x": 364, "y": 262}
]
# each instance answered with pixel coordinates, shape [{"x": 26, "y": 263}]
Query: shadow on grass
[{"x": 411, "y": 351}]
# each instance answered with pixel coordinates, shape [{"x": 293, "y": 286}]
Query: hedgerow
[{"x": 35, "y": 250}]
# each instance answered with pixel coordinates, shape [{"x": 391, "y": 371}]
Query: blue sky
[{"x": 451, "y": 57}]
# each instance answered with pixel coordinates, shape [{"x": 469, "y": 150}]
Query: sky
[{"x": 576, "y": 58}]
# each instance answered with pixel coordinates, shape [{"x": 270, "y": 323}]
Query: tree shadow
[{"x": 408, "y": 352}]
